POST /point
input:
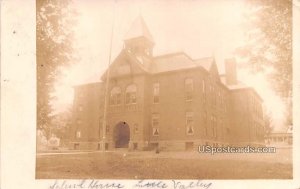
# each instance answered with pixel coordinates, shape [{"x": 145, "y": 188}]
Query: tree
[
  {"x": 269, "y": 45},
  {"x": 61, "y": 122},
  {"x": 54, "y": 36},
  {"x": 267, "y": 124}
]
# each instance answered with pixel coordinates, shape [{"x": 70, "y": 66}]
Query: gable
[{"x": 124, "y": 65}]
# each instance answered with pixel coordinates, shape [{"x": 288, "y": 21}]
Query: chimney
[{"x": 230, "y": 69}]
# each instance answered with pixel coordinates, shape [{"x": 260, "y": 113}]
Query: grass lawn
[{"x": 166, "y": 165}]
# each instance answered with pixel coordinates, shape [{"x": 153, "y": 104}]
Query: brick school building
[{"x": 169, "y": 101}]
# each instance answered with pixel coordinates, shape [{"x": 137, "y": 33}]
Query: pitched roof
[
  {"x": 206, "y": 62},
  {"x": 172, "y": 62},
  {"x": 139, "y": 29},
  {"x": 223, "y": 78},
  {"x": 127, "y": 56},
  {"x": 166, "y": 63},
  {"x": 239, "y": 85}
]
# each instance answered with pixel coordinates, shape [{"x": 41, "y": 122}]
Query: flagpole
[{"x": 104, "y": 123}]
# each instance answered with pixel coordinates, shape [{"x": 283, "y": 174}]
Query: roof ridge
[
  {"x": 172, "y": 54},
  {"x": 203, "y": 58}
]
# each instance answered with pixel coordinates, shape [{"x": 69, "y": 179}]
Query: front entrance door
[{"x": 122, "y": 135}]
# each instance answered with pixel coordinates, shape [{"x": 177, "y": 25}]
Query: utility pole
[{"x": 104, "y": 123}]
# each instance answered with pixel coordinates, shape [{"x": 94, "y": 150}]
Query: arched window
[
  {"x": 115, "y": 96},
  {"x": 130, "y": 94}
]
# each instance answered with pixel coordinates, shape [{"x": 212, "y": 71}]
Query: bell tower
[{"x": 138, "y": 39}]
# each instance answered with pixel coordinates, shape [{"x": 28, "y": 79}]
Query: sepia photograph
[{"x": 175, "y": 89}]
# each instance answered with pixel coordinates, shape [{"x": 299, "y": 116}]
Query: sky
[{"x": 200, "y": 28}]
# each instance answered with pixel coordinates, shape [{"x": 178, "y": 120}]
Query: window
[
  {"x": 107, "y": 129},
  {"x": 130, "y": 94},
  {"x": 155, "y": 124},
  {"x": 255, "y": 130},
  {"x": 213, "y": 94},
  {"x": 205, "y": 122},
  {"x": 221, "y": 127},
  {"x": 115, "y": 96},
  {"x": 189, "y": 87},
  {"x": 78, "y": 134},
  {"x": 100, "y": 127},
  {"x": 214, "y": 100},
  {"x": 155, "y": 131},
  {"x": 148, "y": 51},
  {"x": 155, "y": 120},
  {"x": 223, "y": 102},
  {"x": 213, "y": 120},
  {"x": 189, "y": 123},
  {"x": 156, "y": 93}
]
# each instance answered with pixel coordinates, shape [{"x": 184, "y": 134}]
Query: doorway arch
[{"x": 121, "y": 135}]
